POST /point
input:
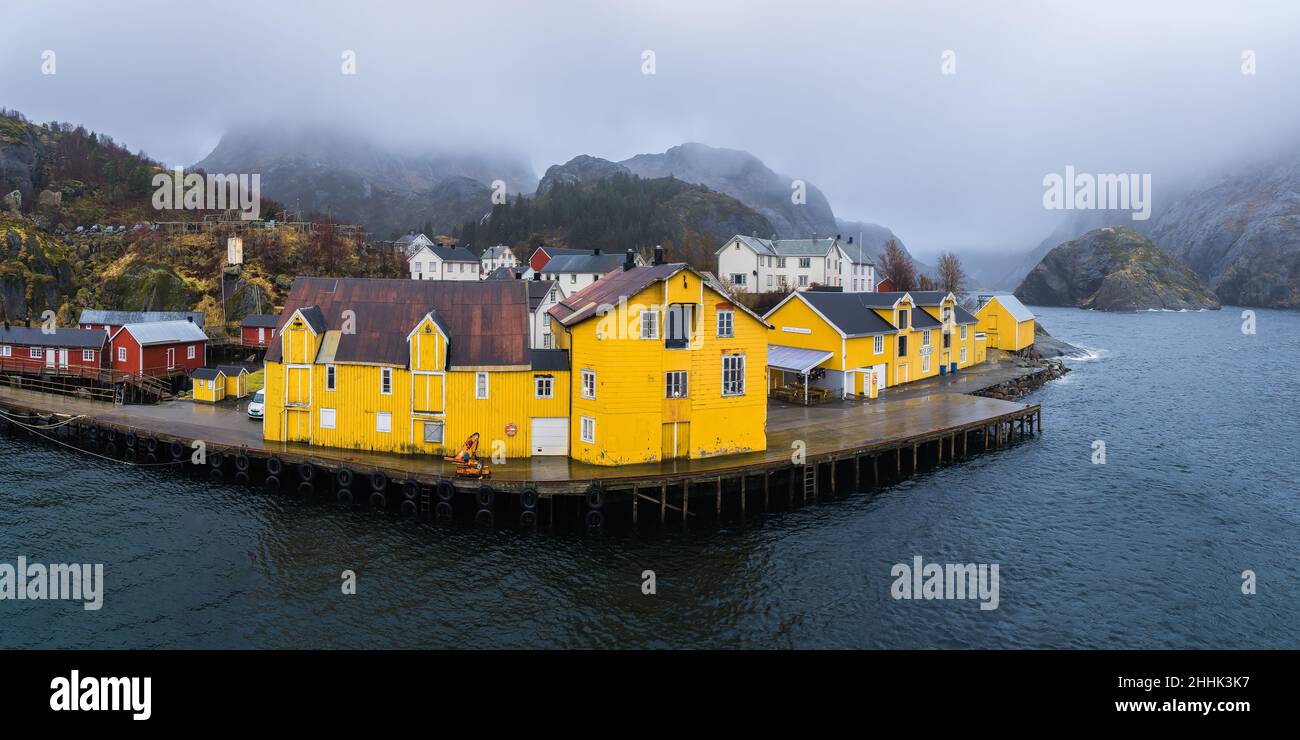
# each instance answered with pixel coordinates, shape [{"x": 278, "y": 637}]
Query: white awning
[{"x": 795, "y": 359}]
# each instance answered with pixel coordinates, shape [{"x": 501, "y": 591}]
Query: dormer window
[{"x": 680, "y": 316}]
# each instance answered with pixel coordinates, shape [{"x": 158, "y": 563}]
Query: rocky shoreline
[{"x": 1011, "y": 390}]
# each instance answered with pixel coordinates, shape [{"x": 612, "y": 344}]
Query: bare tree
[
  {"x": 952, "y": 276},
  {"x": 896, "y": 265}
]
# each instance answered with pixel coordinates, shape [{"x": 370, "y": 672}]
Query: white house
[
  {"x": 542, "y": 294},
  {"x": 498, "y": 256},
  {"x": 443, "y": 263},
  {"x": 752, "y": 265},
  {"x": 573, "y": 272}
]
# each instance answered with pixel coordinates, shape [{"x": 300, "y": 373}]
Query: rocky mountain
[
  {"x": 354, "y": 180},
  {"x": 1241, "y": 234},
  {"x": 581, "y": 170},
  {"x": 1114, "y": 269},
  {"x": 745, "y": 178}
]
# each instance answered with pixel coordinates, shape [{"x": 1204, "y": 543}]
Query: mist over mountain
[
  {"x": 745, "y": 178},
  {"x": 353, "y": 179}
]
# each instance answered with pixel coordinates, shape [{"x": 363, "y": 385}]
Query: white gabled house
[
  {"x": 498, "y": 256},
  {"x": 753, "y": 265},
  {"x": 432, "y": 262}
]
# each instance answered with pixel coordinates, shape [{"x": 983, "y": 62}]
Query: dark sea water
[{"x": 1201, "y": 482}]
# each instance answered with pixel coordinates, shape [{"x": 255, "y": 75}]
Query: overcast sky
[{"x": 849, "y": 96}]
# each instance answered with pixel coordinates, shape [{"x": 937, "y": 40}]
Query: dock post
[
  {"x": 663, "y": 503},
  {"x": 898, "y": 463},
  {"x": 915, "y": 458},
  {"x": 718, "y": 512},
  {"x": 635, "y": 496},
  {"x": 857, "y": 473},
  {"x": 686, "y": 502},
  {"x": 832, "y": 477}
]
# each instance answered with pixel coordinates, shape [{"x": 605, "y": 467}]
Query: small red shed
[{"x": 258, "y": 330}]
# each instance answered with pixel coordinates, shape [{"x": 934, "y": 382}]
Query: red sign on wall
[{"x": 511, "y": 430}]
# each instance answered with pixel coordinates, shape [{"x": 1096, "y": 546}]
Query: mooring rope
[
  {"x": 15, "y": 418},
  {"x": 33, "y": 430}
]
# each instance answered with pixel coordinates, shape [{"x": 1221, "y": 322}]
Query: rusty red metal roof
[
  {"x": 625, "y": 283},
  {"x": 487, "y": 321}
]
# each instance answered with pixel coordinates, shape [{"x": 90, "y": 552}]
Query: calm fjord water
[{"x": 1200, "y": 483}]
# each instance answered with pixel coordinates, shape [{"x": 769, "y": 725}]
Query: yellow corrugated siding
[
  {"x": 210, "y": 391},
  {"x": 1003, "y": 331},
  {"x": 237, "y": 386},
  {"x": 631, "y": 407}
]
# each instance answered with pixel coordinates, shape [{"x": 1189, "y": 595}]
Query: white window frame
[
  {"x": 482, "y": 385},
  {"x": 333, "y": 419},
  {"x": 6, "y": 351},
  {"x": 725, "y": 370},
  {"x": 587, "y": 430},
  {"x": 738, "y": 279},
  {"x": 730, "y": 322},
  {"x": 878, "y": 344},
  {"x": 925, "y": 363},
  {"x": 803, "y": 281},
  {"x": 87, "y": 355},
  {"x": 331, "y": 378},
  {"x": 963, "y": 356},
  {"x": 588, "y": 378},
  {"x": 385, "y": 381},
  {"x": 653, "y": 327},
  {"x": 963, "y": 333},
  {"x": 121, "y": 354},
  {"x": 442, "y": 431},
  {"x": 925, "y": 338},
  {"x": 383, "y": 422},
  {"x": 36, "y": 353},
  {"x": 685, "y": 384},
  {"x": 547, "y": 381},
  {"x": 805, "y": 262},
  {"x": 189, "y": 352}
]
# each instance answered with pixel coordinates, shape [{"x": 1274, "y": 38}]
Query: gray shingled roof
[
  {"x": 789, "y": 247},
  {"x": 453, "y": 254},
  {"x": 549, "y": 359},
  {"x": 118, "y": 318},
  {"x": 206, "y": 373},
  {"x": 262, "y": 320},
  {"x": 849, "y": 312},
  {"x": 165, "y": 332},
  {"x": 584, "y": 264},
  {"x": 31, "y": 336}
]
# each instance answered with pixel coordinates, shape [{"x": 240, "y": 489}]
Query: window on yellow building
[
  {"x": 588, "y": 430},
  {"x": 726, "y": 323},
  {"x": 963, "y": 333},
  {"x": 675, "y": 384},
  {"x": 925, "y": 338},
  {"x": 589, "y": 384},
  {"x": 383, "y": 422},
  {"x": 649, "y": 323},
  {"x": 903, "y": 319},
  {"x": 329, "y": 377},
  {"x": 963, "y": 355},
  {"x": 902, "y": 346},
  {"x": 679, "y": 325},
  {"x": 386, "y": 381},
  {"x": 327, "y": 418},
  {"x": 733, "y": 375},
  {"x": 433, "y": 432},
  {"x": 481, "y": 386},
  {"x": 879, "y": 344},
  {"x": 544, "y": 385}
]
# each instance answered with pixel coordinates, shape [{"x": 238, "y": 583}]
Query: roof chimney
[
  {"x": 630, "y": 262},
  {"x": 850, "y": 240},
  {"x": 537, "y": 276},
  {"x": 596, "y": 251},
  {"x": 659, "y": 254},
  {"x": 837, "y": 237},
  {"x": 189, "y": 318}
]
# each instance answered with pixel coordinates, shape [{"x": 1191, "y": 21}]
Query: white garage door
[{"x": 550, "y": 435}]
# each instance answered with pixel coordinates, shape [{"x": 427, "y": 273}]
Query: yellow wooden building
[
  {"x": 1006, "y": 321},
  {"x": 875, "y": 340},
  {"x": 664, "y": 365},
  {"x": 236, "y": 380},
  {"x": 414, "y": 366},
  {"x": 209, "y": 385}
]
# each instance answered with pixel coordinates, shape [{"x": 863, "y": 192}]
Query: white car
[{"x": 256, "y": 405}]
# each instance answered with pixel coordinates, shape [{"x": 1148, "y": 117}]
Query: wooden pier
[{"x": 813, "y": 454}]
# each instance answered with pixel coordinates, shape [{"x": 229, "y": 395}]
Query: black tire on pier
[
  {"x": 306, "y": 472},
  {"x": 527, "y": 519},
  {"x": 595, "y": 519},
  {"x": 378, "y": 500},
  {"x": 151, "y": 444},
  {"x": 130, "y": 440},
  {"x": 410, "y": 490},
  {"x": 241, "y": 477},
  {"x": 110, "y": 449},
  {"x": 378, "y": 481},
  {"x": 595, "y": 496},
  {"x": 344, "y": 498},
  {"x": 178, "y": 450},
  {"x": 408, "y": 507},
  {"x": 446, "y": 491},
  {"x": 242, "y": 462},
  {"x": 443, "y": 511},
  {"x": 306, "y": 489},
  {"x": 483, "y": 518},
  {"x": 216, "y": 460},
  {"x": 528, "y": 498},
  {"x": 486, "y": 496},
  {"x": 216, "y": 473},
  {"x": 274, "y": 465},
  {"x": 272, "y": 483},
  {"x": 344, "y": 478}
]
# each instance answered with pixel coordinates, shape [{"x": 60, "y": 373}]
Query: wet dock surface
[{"x": 917, "y": 411}]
